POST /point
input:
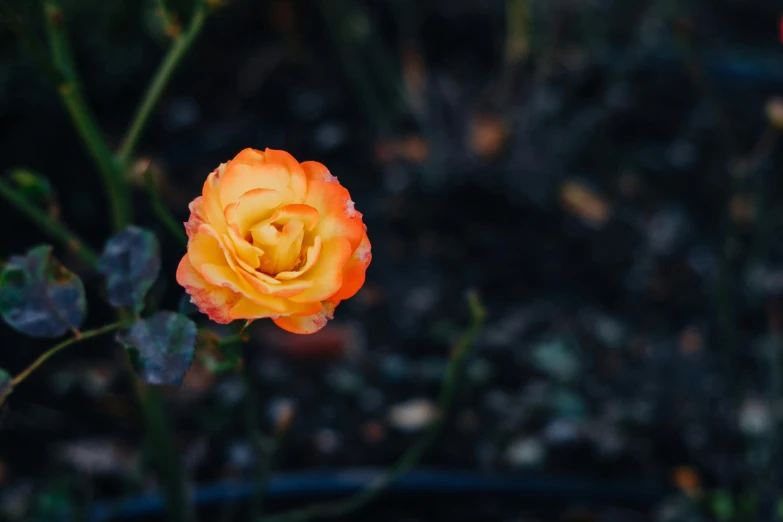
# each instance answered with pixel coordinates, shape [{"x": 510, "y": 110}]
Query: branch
[
  {"x": 415, "y": 452},
  {"x": 175, "y": 54},
  {"x": 70, "y": 92},
  {"x": 160, "y": 210},
  {"x": 52, "y": 351},
  {"x": 48, "y": 224}
]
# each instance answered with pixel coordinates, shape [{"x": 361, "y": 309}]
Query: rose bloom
[{"x": 272, "y": 237}]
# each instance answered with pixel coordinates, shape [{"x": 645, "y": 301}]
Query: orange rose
[{"x": 270, "y": 237}]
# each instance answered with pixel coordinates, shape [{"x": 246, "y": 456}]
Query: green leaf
[
  {"x": 39, "y": 296},
  {"x": 165, "y": 343},
  {"x": 34, "y": 186},
  {"x": 131, "y": 264},
  {"x": 722, "y": 505},
  {"x": 6, "y": 385},
  {"x": 217, "y": 355}
]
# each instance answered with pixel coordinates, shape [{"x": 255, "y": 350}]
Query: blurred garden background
[{"x": 604, "y": 174}]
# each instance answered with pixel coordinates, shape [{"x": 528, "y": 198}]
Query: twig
[
  {"x": 160, "y": 210},
  {"x": 83, "y": 119},
  {"x": 65, "y": 344},
  {"x": 176, "y": 52},
  {"x": 48, "y": 224},
  {"x": 415, "y": 452}
]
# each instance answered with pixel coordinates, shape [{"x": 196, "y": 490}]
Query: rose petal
[
  {"x": 245, "y": 251},
  {"x": 226, "y": 277},
  {"x": 354, "y": 271},
  {"x": 255, "y": 206},
  {"x": 298, "y": 182},
  {"x": 211, "y": 203},
  {"x": 241, "y": 178},
  {"x": 205, "y": 249},
  {"x": 196, "y": 216},
  {"x": 311, "y": 257},
  {"x": 307, "y": 324},
  {"x": 338, "y": 218},
  {"x": 327, "y": 274},
  {"x": 285, "y": 254},
  {"x": 247, "y": 309},
  {"x": 304, "y": 213},
  {"x": 282, "y": 289},
  {"x": 317, "y": 172},
  {"x": 248, "y": 156},
  {"x": 211, "y": 300}
]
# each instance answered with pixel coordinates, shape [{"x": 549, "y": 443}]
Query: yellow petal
[
  {"x": 304, "y": 213},
  {"x": 255, "y": 206},
  {"x": 240, "y": 179},
  {"x": 327, "y": 274},
  {"x": 298, "y": 180},
  {"x": 245, "y": 251},
  {"x": 246, "y": 309},
  {"x": 212, "y": 300},
  {"x": 281, "y": 289},
  {"x": 211, "y": 203},
  {"x": 205, "y": 249},
  {"x": 307, "y": 324},
  {"x": 285, "y": 254},
  {"x": 338, "y": 217},
  {"x": 311, "y": 257},
  {"x": 225, "y": 277}
]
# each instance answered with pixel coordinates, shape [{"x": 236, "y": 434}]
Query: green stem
[
  {"x": 83, "y": 119},
  {"x": 175, "y": 54},
  {"x": 165, "y": 454},
  {"x": 48, "y": 224},
  {"x": 160, "y": 210},
  {"x": 415, "y": 452},
  {"x": 65, "y": 344},
  {"x": 165, "y": 457}
]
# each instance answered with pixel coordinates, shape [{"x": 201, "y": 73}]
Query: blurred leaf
[
  {"x": 218, "y": 355},
  {"x": 557, "y": 358},
  {"x": 722, "y": 506},
  {"x": 747, "y": 506},
  {"x": 165, "y": 344},
  {"x": 54, "y": 501},
  {"x": 6, "y": 386},
  {"x": 39, "y": 296},
  {"x": 131, "y": 264},
  {"x": 34, "y": 186}
]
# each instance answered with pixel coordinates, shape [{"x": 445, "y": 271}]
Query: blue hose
[{"x": 335, "y": 483}]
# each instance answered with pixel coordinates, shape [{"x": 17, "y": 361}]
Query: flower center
[{"x": 282, "y": 244}]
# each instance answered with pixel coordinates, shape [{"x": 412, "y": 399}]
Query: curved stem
[
  {"x": 175, "y": 54},
  {"x": 411, "y": 457},
  {"x": 83, "y": 119},
  {"x": 65, "y": 344},
  {"x": 160, "y": 210},
  {"x": 48, "y": 224}
]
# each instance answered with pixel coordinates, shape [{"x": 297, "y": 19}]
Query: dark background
[{"x": 602, "y": 172}]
